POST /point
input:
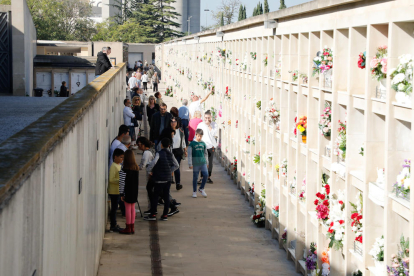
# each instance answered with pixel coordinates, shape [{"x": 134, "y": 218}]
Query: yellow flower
[{"x": 301, "y": 128}]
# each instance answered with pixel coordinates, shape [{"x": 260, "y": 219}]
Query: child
[
  {"x": 113, "y": 187},
  {"x": 160, "y": 170},
  {"x": 128, "y": 189},
  {"x": 197, "y": 160}
]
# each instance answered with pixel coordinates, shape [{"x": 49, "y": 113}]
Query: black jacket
[
  {"x": 102, "y": 64},
  {"x": 64, "y": 91},
  {"x": 128, "y": 185},
  {"x": 152, "y": 111},
  {"x": 162, "y": 170},
  {"x": 156, "y": 123},
  {"x": 138, "y": 111}
]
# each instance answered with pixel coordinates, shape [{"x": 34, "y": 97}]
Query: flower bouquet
[
  {"x": 325, "y": 121},
  {"x": 322, "y": 201},
  {"x": 221, "y": 53},
  {"x": 336, "y": 221},
  {"x": 234, "y": 165},
  {"x": 268, "y": 157},
  {"x": 237, "y": 62},
  {"x": 253, "y": 55},
  {"x": 228, "y": 56},
  {"x": 340, "y": 143},
  {"x": 400, "y": 262},
  {"x": 377, "y": 253},
  {"x": 259, "y": 105},
  {"x": 378, "y": 64},
  {"x": 295, "y": 74},
  {"x": 284, "y": 236},
  {"x": 169, "y": 91},
  {"x": 301, "y": 126},
  {"x": 402, "y": 79},
  {"x": 356, "y": 218},
  {"x": 213, "y": 90},
  {"x": 292, "y": 185},
  {"x": 256, "y": 158},
  {"x": 312, "y": 258},
  {"x": 278, "y": 73},
  {"x": 357, "y": 273},
  {"x": 362, "y": 60},
  {"x": 259, "y": 216},
  {"x": 302, "y": 195},
  {"x": 248, "y": 140},
  {"x": 275, "y": 211},
  {"x": 403, "y": 185},
  {"x": 205, "y": 56},
  {"x": 304, "y": 78},
  {"x": 244, "y": 63},
  {"x": 284, "y": 167},
  {"x": 265, "y": 61},
  {"x": 271, "y": 112},
  {"x": 323, "y": 61},
  {"x": 227, "y": 95},
  {"x": 251, "y": 189},
  {"x": 213, "y": 114}
]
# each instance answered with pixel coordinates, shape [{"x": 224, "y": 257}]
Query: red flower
[
  {"x": 277, "y": 208},
  {"x": 330, "y": 230},
  {"x": 354, "y": 215},
  {"x": 341, "y": 202},
  {"x": 326, "y": 203},
  {"x": 316, "y": 202},
  {"x": 318, "y": 194},
  {"x": 322, "y": 196},
  {"x": 359, "y": 239},
  {"x": 341, "y": 221}
]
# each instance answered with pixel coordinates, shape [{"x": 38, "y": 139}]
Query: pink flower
[
  {"x": 374, "y": 63},
  {"x": 384, "y": 65},
  {"x": 220, "y": 113}
]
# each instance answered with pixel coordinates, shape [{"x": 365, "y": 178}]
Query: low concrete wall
[{"x": 48, "y": 223}]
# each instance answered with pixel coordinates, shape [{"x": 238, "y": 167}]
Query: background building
[{"x": 188, "y": 8}]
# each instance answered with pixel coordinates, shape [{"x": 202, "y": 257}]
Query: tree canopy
[{"x": 227, "y": 9}]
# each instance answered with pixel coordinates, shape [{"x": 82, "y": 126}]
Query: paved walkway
[{"x": 210, "y": 236}]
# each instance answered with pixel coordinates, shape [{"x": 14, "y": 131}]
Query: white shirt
[
  {"x": 144, "y": 78},
  {"x": 133, "y": 82},
  {"x": 177, "y": 140},
  {"x": 128, "y": 115},
  {"x": 209, "y": 135},
  {"x": 195, "y": 106},
  {"x": 114, "y": 145},
  {"x": 120, "y": 146}
]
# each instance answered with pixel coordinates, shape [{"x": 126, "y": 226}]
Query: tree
[
  {"x": 261, "y": 8},
  {"x": 130, "y": 32},
  {"x": 255, "y": 11},
  {"x": 5, "y": 2},
  {"x": 266, "y": 6},
  {"x": 244, "y": 12},
  {"x": 228, "y": 8},
  {"x": 240, "y": 13},
  {"x": 282, "y": 5},
  {"x": 222, "y": 20}
]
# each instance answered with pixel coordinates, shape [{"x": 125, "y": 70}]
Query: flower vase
[
  {"x": 403, "y": 98},
  {"x": 328, "y": 78},
  {"x": 379, "y": 266},
  {"x": 381, "y": 90},
  {"x": 304, "y": 139}
]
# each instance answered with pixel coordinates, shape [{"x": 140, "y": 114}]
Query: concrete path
[{"x": 210, "y": 236}]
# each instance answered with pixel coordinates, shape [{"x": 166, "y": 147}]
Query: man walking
[
  {"x": 209, "y": 138},
  {"x": 103, "y": 63},
  {"x": 128, "y": 116},
  {"x": 133, "y": 84},
  {"x": 159, "y": 121},
  {"x": 184, "y": 114},
  {"x": 196, "y": 105}
]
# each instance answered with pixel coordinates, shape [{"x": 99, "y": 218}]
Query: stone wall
[{"x": 53, "y": 178}]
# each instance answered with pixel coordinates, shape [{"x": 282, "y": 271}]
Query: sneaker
[
  {"x": 194, "y": 194},
  {"x": 164, "y": 218},
  {"x": 172, "y": 182},
  {"x": 149, "y": 212},
  {"x": 203, "y": 193},
  {"x": 173, "y": 212},
  {"x": 178, "y": 186},
  {"x": 150, "y": 217},
  {"x": 115, "y": 229},
  {"x": 175, "y": 203},
  {"x": 160, "y": 202},
  {"x": 209, "y": 181}
]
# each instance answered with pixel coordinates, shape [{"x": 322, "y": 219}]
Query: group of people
[{"x": 173, "y": 137}]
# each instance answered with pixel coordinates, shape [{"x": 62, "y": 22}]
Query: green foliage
[
  {"x": 130, "y": 32},
  {"x": 222, "y": 20},
  {"x": 244, "y": 12},
  {"x": 282, "y": 5},
  {"x": 266, "y": 6},
  {"x": 255, "y": 11},
  {"x": 5, "y": 2},
  {"x": 240, "y": 18}
]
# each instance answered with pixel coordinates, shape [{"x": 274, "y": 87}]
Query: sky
[{"x": 250, "y": 4}]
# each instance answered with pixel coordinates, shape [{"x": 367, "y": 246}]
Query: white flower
[
  {"x": 401, "y": 87},
  {"x": 398, "y": 78},
  {"x": 405, "y": 58}
]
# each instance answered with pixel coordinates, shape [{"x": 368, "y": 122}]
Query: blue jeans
[
  {"x": 132, "y": 133},
  {"x": 204, "y": 173},
  {"x": 184, "y": 123}
]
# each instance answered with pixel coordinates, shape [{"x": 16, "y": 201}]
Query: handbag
[{"x": 135, "y": 122}]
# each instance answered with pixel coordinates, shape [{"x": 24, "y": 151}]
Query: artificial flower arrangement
[
  {"x": 378, "y": 64},
  {"x": 304, "y": 78},
  {"x": 256, "y": 158},
  {"x": 265, "y": 61},
  {"x": 325, "y": 124},
  {"x": 284, "y": 236},
  {"x": 400, "y": 262},
  {"x": 402, "y": 79},
  {"x": 227, "y": 95},
  {"x": 213, "y": 90},
  {"x": 237, "y": 62},
  {"x": 248, "y": 140},
  {"x": 361, "y": 151},
  {"x": 336, "y": 221},
  {"x": 312, "y": 258},
  {"x": 268, "y": 157},
  {"x": 295, "y": 74},
  {"x": 284, "y": 167},
  {"x": 323, "y": 62},
  {"x": 221, "y": 53},
  {"x": 234, "y": 164},
  {"x": 278, "y": 73},
  {"x": 302, "y": 125},
  {"x": 229, "y": 122},
  {"x": 223, "y": 125},
  {"x": 275, "y": 211},
  {"x": 189, "y": 75},
  {"x": 253, "y": 55},
  {"x": 251, "y": 189},
  {"x": 403, "y": 185},
  {"x": 259, "y": 216},
  {"x": 356, "y": 218},
  {"x": 259, "y": 105},
  {"x": 244, "y": 63},
  {"x": 325, "y": 263},
  {"x": 322, "y": 202},
  {"x": 229, "y": 54},
  {"x": 213, "y": 114},
  {"x": 169, "y": 91},
  {"x": 362, "y": 60},
  {"x": 210, "y": 60},
  {"x": 357, "y": 273},
  {"x": 292, "y": 185},
  {"x": 271, "y": 112},
  {"x": 340, "y": 143},
  {"x": 253, "y": 139},
  {"x": 377, "y": 252},
  {"x": 302, "y": 195},
  {"x": 205, "y": 56},
  {"x": 295, "y": 132}
]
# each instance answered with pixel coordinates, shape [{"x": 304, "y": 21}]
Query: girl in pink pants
[{"x": 128, "y": 189}]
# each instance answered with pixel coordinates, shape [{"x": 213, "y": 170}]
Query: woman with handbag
[
  {"x": 138, "y": 109},
  {"x": 155, "y": 82},
  {"x": 179, "y": 150}
]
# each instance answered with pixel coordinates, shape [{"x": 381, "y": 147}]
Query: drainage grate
[{"x": 156, "y": 265}]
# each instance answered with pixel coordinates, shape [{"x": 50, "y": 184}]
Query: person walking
[
  {"x": 158, "y": 98},
  {"x": 144, "y": 80},
  {"x": 159, "y": 121},
  {"x": 196, "y": 104},
  {"x": 138, "y": 109},
  {"x": 197, "y": 160},
  {"x": 209, "y": 138},
  {"x": 133, "y": 84},
  {"x": 179, "y": 149},
  {"x": 103, "y": 63},
  {"x": 174, "y": 113},
  {"x": 184, "y": 114},
  {"x": 160, "y": 170},
  {"x": 64, "y": 92},
  {"x": 155, "y": 82},
  {"x": 127, "y": 78},
  {"x": 152, "y": 108},
  {"x": 138, "y": 75},
  {"x": 113, "y": 187},
  {"x": 192, "y": 126},
  {"x": 128, "y": 189},
  {"x": 150, "y": 74},
  {"x": 128, "y": 116}
]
